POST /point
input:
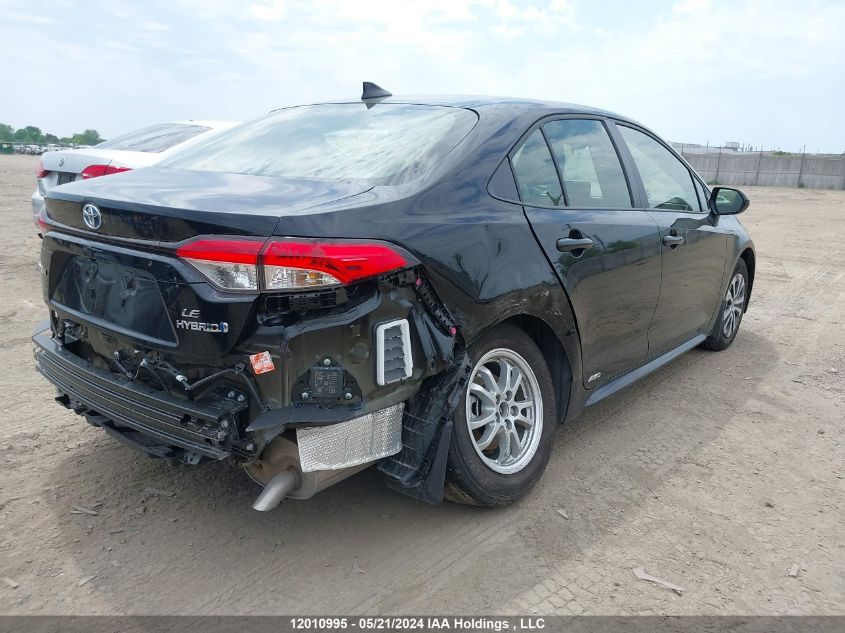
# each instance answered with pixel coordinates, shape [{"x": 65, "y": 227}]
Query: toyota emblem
[{"x": 92, "y": 217}]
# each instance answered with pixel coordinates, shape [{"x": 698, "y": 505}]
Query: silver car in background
[{"x": 134, "y": 150}]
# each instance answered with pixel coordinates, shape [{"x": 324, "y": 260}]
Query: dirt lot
[{"x": 722, "y": 473}]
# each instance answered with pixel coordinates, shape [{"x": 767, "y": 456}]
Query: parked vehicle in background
[
  {"x": 140, "y": 148},
  {"x": 31, "y": 150},
  {"x": 426, "y": 284}
]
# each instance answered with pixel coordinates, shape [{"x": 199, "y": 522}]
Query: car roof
[
  {"x": 212, "y": 124},
  {"x": 481, "y": 102}
]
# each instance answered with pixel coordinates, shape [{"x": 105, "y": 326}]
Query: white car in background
[{"x": 134, "y": 150}]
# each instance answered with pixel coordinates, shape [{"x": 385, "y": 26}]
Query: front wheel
[
  {"x": 731, "y": 310},
  {"x": 503, "y": 427}
]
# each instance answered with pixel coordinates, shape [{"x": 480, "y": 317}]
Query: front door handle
[
  {"x": 673, "y": 240},
  {"x": 570, "y": 244}
]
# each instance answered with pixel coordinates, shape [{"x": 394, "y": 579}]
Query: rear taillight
[
  {"x": 297, "y": 264},
  {"x": 41, "y": 221},
  {"x": 229, "y": 264},
  {"x": 291, "y": 264},
  {"x": 95, "y": 171},
  {"x": 41, "y": 172}
]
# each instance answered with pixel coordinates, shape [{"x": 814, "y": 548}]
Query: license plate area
[{"x": 116, "y": 297}]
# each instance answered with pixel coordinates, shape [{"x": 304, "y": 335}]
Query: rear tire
[
  {"x": 730, "y": 310},
  {"x": 504, "y": 423}
]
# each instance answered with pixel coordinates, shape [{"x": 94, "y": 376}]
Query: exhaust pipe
[
  {"x": 276, "y": 489},
  {"x": 281, "y": 456}
]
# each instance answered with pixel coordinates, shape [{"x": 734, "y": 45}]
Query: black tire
[
  {"x": 719, "y": 339},
  {"x": 468, "y": 479}
]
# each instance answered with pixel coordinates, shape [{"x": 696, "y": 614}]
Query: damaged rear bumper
[
  {"x": 320, "y": 420},
  {"x": 205, "y": 428}
]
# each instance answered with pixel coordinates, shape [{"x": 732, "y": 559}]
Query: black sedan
[{"x": 430, "y": 285}]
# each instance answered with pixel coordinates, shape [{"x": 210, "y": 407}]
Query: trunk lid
[
  {"x": 139, "y": 298},
  {"x": 167, "y": 205},
  {"x": 124, "y": 282}
]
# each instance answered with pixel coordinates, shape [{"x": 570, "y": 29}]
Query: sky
[{"x": 762, "y": 73}]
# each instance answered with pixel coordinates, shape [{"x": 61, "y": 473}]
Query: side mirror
[{"x": 728, "y": 201}]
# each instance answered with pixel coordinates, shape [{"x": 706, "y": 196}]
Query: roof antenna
[{"x": 374, "y": 91}]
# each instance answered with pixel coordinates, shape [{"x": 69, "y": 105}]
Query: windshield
[
  {"x": 156, "y": 138},
  {"x": 382, "y": 144}
]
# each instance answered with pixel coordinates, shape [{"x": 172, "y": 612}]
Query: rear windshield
[
  {"x": 156, "y": 138},
  {"x": 382, "y": 144}
]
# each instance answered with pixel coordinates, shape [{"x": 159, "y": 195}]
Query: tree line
[{"x": 34, "y": 135}]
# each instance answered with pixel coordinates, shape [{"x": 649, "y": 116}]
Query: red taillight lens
[
  {"x": 229, "y": 264},
  {"x": 299, "y": 264},
  {"x": 231, "y": 251},
  {"x": 95, "y": 171},
  {"x": 41, "y": 172},
  {"x": 291, "y": 264},
  {"x": 41, "y": 221}
]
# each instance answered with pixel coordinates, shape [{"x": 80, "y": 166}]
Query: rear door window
[
  {"x": 587, "y": 159},
  {"x": 667, "y": 181},
  {"x": 155, "y": 139},
  {"x": 536, "y": 174}
]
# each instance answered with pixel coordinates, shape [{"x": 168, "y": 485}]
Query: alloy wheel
[
  {"x": 734, "y": 304},
  {"x": 504, "y": 411}
]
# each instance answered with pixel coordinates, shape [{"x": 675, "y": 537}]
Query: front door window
[{"x": 668, "y": 183}]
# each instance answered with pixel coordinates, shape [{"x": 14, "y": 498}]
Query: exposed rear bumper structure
[
  {"x": 161, "y": 425},
  {"x": 296, "y": 431},
  {"x": 204, "y": 428}
]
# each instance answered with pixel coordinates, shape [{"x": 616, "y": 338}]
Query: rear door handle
[
  {"x": 569, "y": 244},
  {"x": 673, "y": 240}
]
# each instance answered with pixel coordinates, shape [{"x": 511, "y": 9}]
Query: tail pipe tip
[{"x": 276, "y": 489}]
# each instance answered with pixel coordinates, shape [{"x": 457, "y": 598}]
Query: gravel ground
[{"x": 722, "y": 473}]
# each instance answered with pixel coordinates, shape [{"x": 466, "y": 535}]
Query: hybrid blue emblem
[{"x": 92, "y": 217}]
